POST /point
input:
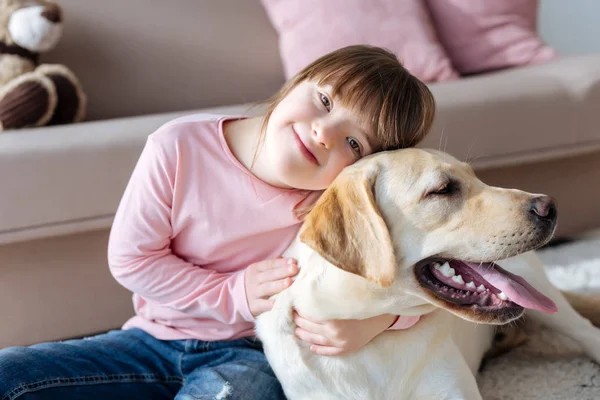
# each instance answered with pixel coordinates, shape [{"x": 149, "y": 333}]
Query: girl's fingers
[
  {"x": 309, "y": 325},
  {"x": 268, "y": 289},
  {"x": 278, "y": 273},
  {"x": 311, "y": 337},
  {"x": 275, "y": 263},
  {"x": 326, "y": 350}
]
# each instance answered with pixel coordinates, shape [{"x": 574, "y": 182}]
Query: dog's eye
[{"x": 445, "y": 189}]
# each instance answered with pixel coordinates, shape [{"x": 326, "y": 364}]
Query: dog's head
[{"x": 420, "y": 221}]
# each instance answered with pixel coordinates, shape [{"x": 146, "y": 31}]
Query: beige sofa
[{"x": 144, "y": 62}]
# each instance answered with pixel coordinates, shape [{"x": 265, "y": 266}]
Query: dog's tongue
[{"x": 515, "y": 287}]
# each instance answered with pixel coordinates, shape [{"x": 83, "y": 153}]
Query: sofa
[{"x": 145, "y": 62}]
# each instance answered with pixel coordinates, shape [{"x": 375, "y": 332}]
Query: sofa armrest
[{"x": 70, "y": 178}]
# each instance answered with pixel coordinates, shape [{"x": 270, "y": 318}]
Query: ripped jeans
[{"x": 131, "y": 364}]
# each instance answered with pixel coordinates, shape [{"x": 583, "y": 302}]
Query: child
[{"x": 212, "y": 203}]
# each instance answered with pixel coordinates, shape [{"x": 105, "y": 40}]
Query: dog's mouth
[{"x": 479, "y": 289}]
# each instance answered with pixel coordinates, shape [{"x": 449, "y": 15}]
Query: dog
[{"x": 414, "y": 232}]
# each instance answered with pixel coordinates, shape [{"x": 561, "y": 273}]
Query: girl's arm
[
  {"x": 140, "y": 256},
  {"x": 403, "y": 322}
]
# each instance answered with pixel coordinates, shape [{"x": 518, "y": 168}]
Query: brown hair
[{"x": 386, "y": 97}]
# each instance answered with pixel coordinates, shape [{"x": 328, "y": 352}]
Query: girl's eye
[
  {"x": 325, "y": 101},
  {"x": 354, "y": 144}
]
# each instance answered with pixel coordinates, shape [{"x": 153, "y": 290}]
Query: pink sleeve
[
  {"x": 403, "y": 322},
  {"x": 140, "y": 256}
]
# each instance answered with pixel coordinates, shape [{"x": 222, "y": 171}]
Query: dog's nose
[
  {"x": 543, "y": 208},
  {"x": 52, "y": 14}
]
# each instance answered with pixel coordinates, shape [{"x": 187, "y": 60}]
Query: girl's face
[{"x": 311, "y": 137}]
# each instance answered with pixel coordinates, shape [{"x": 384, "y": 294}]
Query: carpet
[{"x": 550, "y": 366}]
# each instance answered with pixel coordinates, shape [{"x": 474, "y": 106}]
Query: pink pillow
[
  {"x": 309, "y": 29},
  {"x": 484, "y": 35}
]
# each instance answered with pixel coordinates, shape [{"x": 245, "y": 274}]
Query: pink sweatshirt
[{"x": 191, "y": 219}]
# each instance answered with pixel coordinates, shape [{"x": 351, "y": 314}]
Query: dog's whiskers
[
  {"x": 441, "y": 139},
  {"x": 468, "y": 157}
]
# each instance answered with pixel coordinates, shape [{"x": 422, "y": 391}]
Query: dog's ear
[{"x": 346, "y": 228}]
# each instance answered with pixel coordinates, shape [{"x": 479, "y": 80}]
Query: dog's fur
[{"x": 358, "y": 251}]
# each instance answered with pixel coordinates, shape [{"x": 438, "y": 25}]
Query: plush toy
[{"x": 32, "y": 94}]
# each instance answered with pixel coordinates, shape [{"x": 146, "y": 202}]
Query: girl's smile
[{"x": 304, "y": 149}]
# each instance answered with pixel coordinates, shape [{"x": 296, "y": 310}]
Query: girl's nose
[{"x": 324, "y": 134}]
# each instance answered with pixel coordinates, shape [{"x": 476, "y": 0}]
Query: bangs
[{"x": 395, "y": 109}]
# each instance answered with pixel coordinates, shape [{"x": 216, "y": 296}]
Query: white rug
[{"x": 550, "y": 366}]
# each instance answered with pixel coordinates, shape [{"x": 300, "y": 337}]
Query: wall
[{"x": 571, "y": 26}]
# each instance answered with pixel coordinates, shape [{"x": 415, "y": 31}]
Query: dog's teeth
[
  {"x": 458, "y": 279},
  {"x": 437, "y": 266},
  {"x": 502, "y": 296},
  {"x": 480, "y": 288},
  {"x": 470, "y": 285},
  {"x": 447, "y": 271}
]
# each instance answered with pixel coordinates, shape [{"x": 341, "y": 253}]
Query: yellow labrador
[{"x": 414, "y": 232}]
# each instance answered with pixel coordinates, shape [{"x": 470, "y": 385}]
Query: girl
[{"x": 211, "y": 204}]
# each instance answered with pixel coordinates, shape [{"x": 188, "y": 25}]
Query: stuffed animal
[{"x": 32, "y": 94}]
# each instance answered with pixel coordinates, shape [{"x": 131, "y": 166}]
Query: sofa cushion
[
  {"x": 309, "y": 29},
  {"x": 483, "y": 35},
  {"x": 520, "y": 115}
]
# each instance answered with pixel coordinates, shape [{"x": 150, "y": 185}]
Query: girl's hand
[
  {"x": 337, "y": 337},
  {"x": 266, "y": 278}
]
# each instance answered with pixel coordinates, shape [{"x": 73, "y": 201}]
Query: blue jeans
[{"x": 131, "y": 364}]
